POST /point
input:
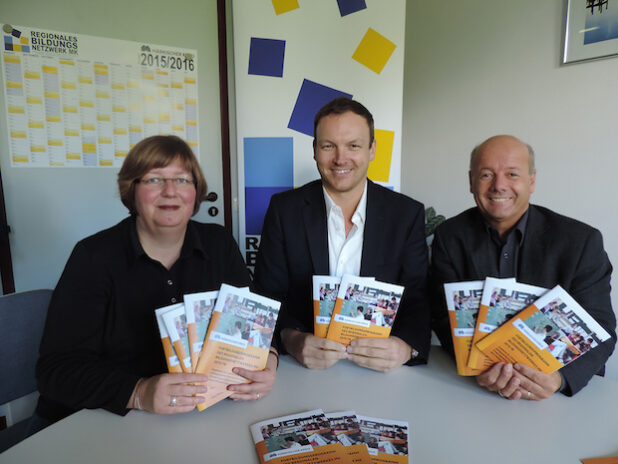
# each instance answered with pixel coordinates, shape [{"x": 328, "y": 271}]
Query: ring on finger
[
  {"x": 529, "y": 394},
  {"x": 173, "y": 401},
  {"x": 500, "y": 393},
  {"x": 257, "y": 396}
]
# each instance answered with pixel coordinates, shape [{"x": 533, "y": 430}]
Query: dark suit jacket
[
  {"x": 294, "y": 246},
  {"x": 556, "y": 250}
]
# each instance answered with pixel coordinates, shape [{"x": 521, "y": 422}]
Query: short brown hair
[
  {"x": 156, "y": 152},
  {"x": 342, "y": 105}
]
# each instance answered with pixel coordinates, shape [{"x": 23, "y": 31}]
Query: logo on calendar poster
[
  {"x": 45, "y": 42},
  {"x": 14, "y": 40}
]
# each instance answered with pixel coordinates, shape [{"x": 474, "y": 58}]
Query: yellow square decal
[
  {"x": 380, "y": 167},
  {"x": 283, "y": 6},
  {"x": 374, "y": 51},
  {"x": 23, "y": 40}
]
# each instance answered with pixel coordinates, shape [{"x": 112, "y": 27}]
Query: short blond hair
[{"x": 156, "y": 152}]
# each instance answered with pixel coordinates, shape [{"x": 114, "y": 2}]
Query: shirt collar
[
  {"x": 136, "y": 246},
  {"x": 519, "y": 230},
  {"x": 360, "y": 212},
  {"x": 192, "y": 241}
]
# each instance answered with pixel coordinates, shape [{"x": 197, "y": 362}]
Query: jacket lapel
[
  {"x": 477, "y": 245},
  {"x": 314, "y": 216},
  {"x": 372, "y": 239},
  {"x": 532, "y": 270}
]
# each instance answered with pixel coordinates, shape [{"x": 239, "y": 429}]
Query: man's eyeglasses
[{"x": 159, "y": 182}]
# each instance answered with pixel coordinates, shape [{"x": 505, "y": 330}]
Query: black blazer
[
  {"x": 294, "y": 246},
  {"x": 556, "y": 250}
]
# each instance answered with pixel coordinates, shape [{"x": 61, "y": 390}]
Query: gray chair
[{"x": 22, "y": 319}]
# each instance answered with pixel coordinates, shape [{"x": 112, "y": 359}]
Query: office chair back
[{"x": 22, "y": 319}]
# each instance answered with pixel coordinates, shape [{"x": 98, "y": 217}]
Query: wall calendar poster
[{"x": 74, "y": 100}]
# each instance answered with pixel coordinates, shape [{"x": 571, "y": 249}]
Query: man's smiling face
[
  {"x": 342, "y": 152},
  {"x": 501, "y": 181}
]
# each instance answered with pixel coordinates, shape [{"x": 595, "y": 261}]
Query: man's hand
[
  {"x": 535, "y": 385},
  {"x": 311, "y": 351},
  {"x": 499, "y": 378},
  {"x": 379, "y": 354},
  {"x": 519, "y": 381}
]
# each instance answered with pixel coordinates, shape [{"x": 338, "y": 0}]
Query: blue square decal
[
  {"x": 269, "y": 161},
  {"x": 256, "y": 204},
  {"x": 347, "y": 7},
  {"x": 311, "y": 98},
  {"x": 266, "y": 57}
]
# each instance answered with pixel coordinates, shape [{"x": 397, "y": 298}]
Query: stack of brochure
[
  {"x": 212, "y": 332},
  {"x": 337, "y": 437},
  {"x": 503, "y": 320},
  {"x": 354, "y": 307}
]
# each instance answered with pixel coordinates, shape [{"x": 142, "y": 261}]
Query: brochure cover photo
[
  {"x": 305, "y": 437},
  {"x": 463, "y": 300},
  {"x": 364, "y": 308},
  {"x": 325, "y": 289},
  {"x": 175, "y": 320},
  {"x": 198, "y": 307},
  {"x": 552, "y": 332},
  {"x": 346, "y": 428},
  {"x": 239, "y": 334},
  {"x": 386, "y": 439},
  {"x": 173, "y": 364},
  {"x": 501, "y": 300}
]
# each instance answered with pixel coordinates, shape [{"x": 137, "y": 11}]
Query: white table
[{"x": 452, "y": 420}]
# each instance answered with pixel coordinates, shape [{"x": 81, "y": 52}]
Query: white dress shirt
[{"x": 344, "y": 253}]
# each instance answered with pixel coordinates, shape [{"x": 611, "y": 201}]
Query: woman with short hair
[{"x": 101, "y": 347}]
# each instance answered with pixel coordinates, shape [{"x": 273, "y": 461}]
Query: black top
[{"x": 101, "y": 333}]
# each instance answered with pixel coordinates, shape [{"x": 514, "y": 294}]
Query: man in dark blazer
[
  {"x": 295, "y": 246},
  {"x": 505, "y": 236}
]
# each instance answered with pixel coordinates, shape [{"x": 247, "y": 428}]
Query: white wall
[{"x": 477, "y": 68}]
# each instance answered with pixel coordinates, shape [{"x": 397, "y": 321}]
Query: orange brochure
[
  {"x": 550, "y": 333},
  {"x": 173, "y": 365},
  {"x": 364, "y": 308},
  {"x": 239, "y": 335},
  {"x": 387, "y": 440},
  {"x": 344, "y": 425},
  {"x": 198, "y": 307},
  {"x": 610, "y": 460},
  {"x": 298, "y": 438},
  {"x": 463, "y": 300},
  {"x": 325, "y": 290},
  {"x": 175, "y": 321},
  {"x": 501, "y": 300}
]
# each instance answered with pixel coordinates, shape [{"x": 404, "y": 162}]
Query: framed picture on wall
[{"x": 591, "y": 30}]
